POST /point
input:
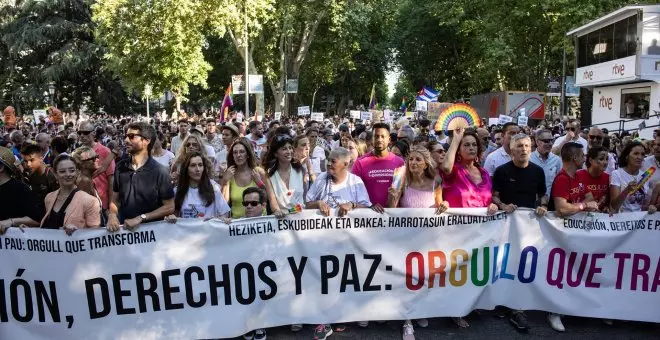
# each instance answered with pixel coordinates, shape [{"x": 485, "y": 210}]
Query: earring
[{"x": 459, "y": 158}]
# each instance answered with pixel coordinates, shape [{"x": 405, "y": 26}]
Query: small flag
[
  {"x": 428, "y": 94},
  {"x": 372, "y": 100},
  {"x": 226, "y": 104}
]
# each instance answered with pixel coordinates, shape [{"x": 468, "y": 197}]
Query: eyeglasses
[
  {"x": 251, "y": 203},
  {"x": 595, "y": 137},
  {"x": 84, "y": 133},
  {"x": 90, "y": 159},
  {"x": 132, "y": 135}
]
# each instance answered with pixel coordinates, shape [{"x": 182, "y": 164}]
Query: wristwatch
[{"x": 143, "y": 217}]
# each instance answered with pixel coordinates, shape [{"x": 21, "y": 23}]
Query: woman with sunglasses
[
  {"x": 191, "y": 143},
  {"x": 242, "y": 172},
  {"x": 625, "y": 195},
  {"x": 88, "y": 162},
  {"x": 287, "y": 181},
  {"x": 438, "y": 153},
  {"x": 68, "y": 207},
  {"x": 196, "y": 195}
]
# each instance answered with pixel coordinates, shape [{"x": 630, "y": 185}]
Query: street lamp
[
  {"x": 51, "y": 90},
  {"x": 147, "y": 93}
]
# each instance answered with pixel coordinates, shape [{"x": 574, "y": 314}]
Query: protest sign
[
  {"x": 201, "y": 279},
  {"x": 505, "y": 119},
  {"x": 317, "y": 116},
  {"x": 365, "y": 115},
  {"x": 355, "y": 114},
  {"x": 303, "y": 111}
]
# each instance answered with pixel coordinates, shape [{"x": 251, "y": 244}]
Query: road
[{"x": 487, "y": 326}]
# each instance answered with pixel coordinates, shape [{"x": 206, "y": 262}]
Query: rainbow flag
[
  {"x": 404, "y": 106},
  {"x": 226, "y": 104},
  {"x": 372, "y": 100}
]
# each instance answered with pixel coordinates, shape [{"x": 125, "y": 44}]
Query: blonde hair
[
  {"x": 184, "y": 149},
  {"x": 426, "y": 155}
]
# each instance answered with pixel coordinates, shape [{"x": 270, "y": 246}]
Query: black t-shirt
[
  {"x": 143, "y": 190},
  {"x": 520, "y": 186},
  {"x": 16, "y": 200},
  {"x": 42, "y": 184}
]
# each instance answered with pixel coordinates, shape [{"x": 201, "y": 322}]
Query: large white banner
[{"x": 210, "y": 280}]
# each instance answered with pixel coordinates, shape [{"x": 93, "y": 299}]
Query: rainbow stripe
[{"x": 455, "y": 116}]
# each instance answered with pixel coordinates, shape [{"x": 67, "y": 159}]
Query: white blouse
[{"x": 287, "y": 198}]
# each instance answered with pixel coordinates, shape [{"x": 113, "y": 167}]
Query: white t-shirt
[
  {"x": 585, "y": 144},
  {"x": 352, "y": 189},
  {"x": 165, "y": 160},
  {"x": 620, "y": 178},
  {"x": 193, "y": 205},
  {"x": 318, "y": 155}
]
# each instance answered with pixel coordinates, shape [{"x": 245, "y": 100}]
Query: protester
[
  {"x": 196, "y": 195},
  {"x": 192, "y": 143},
  {"x": 318, "y": 158},
  {"x": 43, "y": 140},
  {"x": 88, "y": 162},
  {"x": 595, "y": 178},
  {"x": 596, "y": 137},
  {"x": 301, "y": 155},
  {"x": 104, "y": 175},
  {"x": 548, "y": 161},
  {"x": 355, "y": 150},
  {"x": 256, "y": 137},
  {"x": 68, "y": 207},
  {"x": 142, "y": 189},
  {"x": 58, "y": 146},
  {"x": 376, "y": 169},
  {"x": 20, "y": 206},
  {"x": 229, "y": 134},
  {"x": 421, "y": 185},
  {"x": 212, "y": 137},
  {"x": 286, "y": 184},
  {"x": 572, "y": 135},
  {"x": 17, "y": 139},
  {"x": 242, "y": 173},
  {"x": 163, "y": 156},
  {"x": 503, "y": 154},
  {"x": 653, "y": 161},
  {"x": 41, "y": 178},
  {"x": 177, "y": 141},
  {"x": 400, "y": 148},
  {"x": 568, "y": 194},
  {"x": 624, "y": 194}
]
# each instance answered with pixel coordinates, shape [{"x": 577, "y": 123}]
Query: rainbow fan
[{"x": 457, "y": 116}]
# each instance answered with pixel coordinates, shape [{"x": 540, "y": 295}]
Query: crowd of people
[{"x": 116, "y": 173}]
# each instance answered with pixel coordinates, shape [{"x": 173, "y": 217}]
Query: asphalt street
[{"x": 487, "y": 326}]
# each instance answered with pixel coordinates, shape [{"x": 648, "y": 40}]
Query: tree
[{"x": 154, "y": 42}]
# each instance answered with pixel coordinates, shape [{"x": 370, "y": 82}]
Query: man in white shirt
[
  {"x": 572, "y": 135},
  {"x": 502, "y": 155},
  {"x": 177, "y": 141},
  {"x": 548, "y": 161},
  {"x": 596, "y": 137},
  {"x": 317, "y": 156},
  {"x": 653, "y": 161},
  {"x": 256, "y": 136}
]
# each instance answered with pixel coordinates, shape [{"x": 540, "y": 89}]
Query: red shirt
[
  {"x": 598, "y": 186},
  {"x": 567, "y": 187}
]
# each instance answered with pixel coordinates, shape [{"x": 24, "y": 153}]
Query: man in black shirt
[
  {"x": 18, "y": 205},
  {"x": 520, "y": 183},
  {"x": 142, "y": 188}
]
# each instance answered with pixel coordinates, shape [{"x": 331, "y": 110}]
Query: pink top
[
  {"x": 102, "y": 181},
  {"x": 460, "y": 191},
  {"x": 376, "y": 173},
  {"x": 414, "y": 198}
]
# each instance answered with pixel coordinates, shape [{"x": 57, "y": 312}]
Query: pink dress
[{"x": 460, "y": 191}]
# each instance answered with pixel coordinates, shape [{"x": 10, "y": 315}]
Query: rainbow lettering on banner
[{"x": 457, "y": 116}]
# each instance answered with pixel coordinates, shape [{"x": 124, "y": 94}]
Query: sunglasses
[
  {"x": 84, "y": 133},
  {"x": 251, "y": 203},
  {"x": 595, "y": 137},
  {"x": 90, "y": 159},
  {"x": 132, "y": 135},
  {"x": 571, "y": 129}
]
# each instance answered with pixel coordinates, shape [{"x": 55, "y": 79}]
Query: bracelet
[{"x": 260, "y": 184}]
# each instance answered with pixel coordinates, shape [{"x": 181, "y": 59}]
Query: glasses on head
[
  {"x": 251, "y": 203},
  {"x": 84, "y": 133},
  {"x": 132, "y": 135},
  {"x": 90, "y": 159},
  {"x": 596, "y": 137}
]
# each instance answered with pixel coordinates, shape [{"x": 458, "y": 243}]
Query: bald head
[
  {"x": 482, "y": 133},
  {"x": 595, "y": 137}
]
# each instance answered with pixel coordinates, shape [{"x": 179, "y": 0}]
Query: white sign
[
  {"x": 317, "y": 116},
  {"x": 493, "y": 121},
  {"x": 239, "y": 116},
  {"x": 522, "y": 120},
  {"x": 365, "y": 115},
  {"x": 199, "y": 277},
  {"x": 505, "y": 119},
  {"x": 387, "y": 116},
  {"x": 237, "y": 84},
  {"x": 39, "y": 113},
  {"x": 256, "y": 83},
  {"x": 278, "y": 115},
  {"x": 303, "y": 111},
  {"x": 610, "y": 72},
  {"x": 421, "y": 105},
  {"x": 355, "y": 114},
  {"x": 521, "y": 111}
]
